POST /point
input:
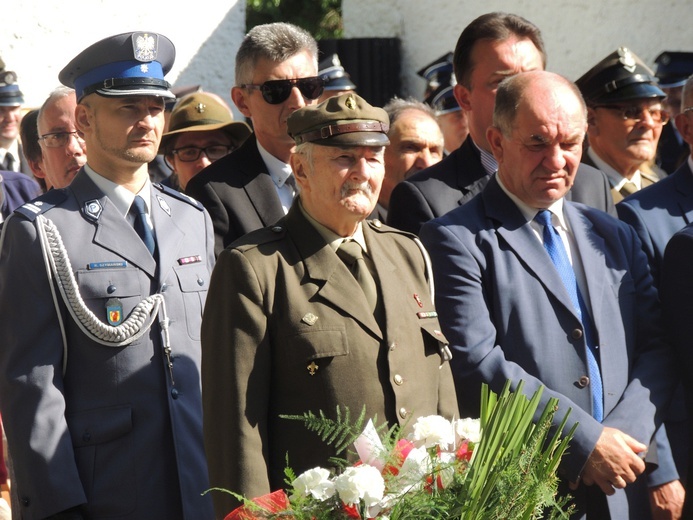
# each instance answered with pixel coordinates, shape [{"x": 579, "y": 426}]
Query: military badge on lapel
[{"x": 114, "y": 312}]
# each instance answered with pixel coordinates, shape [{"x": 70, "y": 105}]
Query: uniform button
[
  {"x": 25, "y": 501},
  {"x": 576, "y": 334},
  {"x": 164, "y": 287},
  {"x": 200, "y": 282},
  {"x": 392, "y": 346},
  {"x": 86, "y": 436},
  {"x": 583, "y": 381},
  {"x": 403, "y": 413},
  {"x": 377, "y": 223},
  {"x": 174, "y": 393},
  {"x": 398, "y": 379},
  {"x": 111, "y": 289},
  {"x": 277, "y": 229}
]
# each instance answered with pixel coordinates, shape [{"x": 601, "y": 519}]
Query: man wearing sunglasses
[
  {"x": 625, "y": 119},
  {"x": 253, "y": 187}
]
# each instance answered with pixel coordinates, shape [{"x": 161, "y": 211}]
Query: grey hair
[
  {"x": 510, "y": 93},
  {"x": 275, "y": 42},
  {"x": 396, "y": 106},
  {"x": 687, "y": 94},
  {"x": 59, "y": 93}
]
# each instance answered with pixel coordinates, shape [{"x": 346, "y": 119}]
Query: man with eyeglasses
[
  {"x": 61, "y": 151},
  {"x": 102, "y": 286},
  {"x": 253, "y": 187},
  {"x": 625, "y": 119},
  {"x": 657, "y": 213},
  {"x": 201, "y": 131}
]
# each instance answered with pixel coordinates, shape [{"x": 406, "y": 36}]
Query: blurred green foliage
[{"x": 322, "y": 18}]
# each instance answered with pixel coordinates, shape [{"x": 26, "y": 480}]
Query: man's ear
[
  {"x": 461, "y": 94},
  {"x": 82, "y": 119},
  {"x": 592, "y": 126},
  {"x": 297, "y": 162},
  {"x": 238, "y": 95},
  {"x": 495, "y": 140},
  {"x": 684, "y": 126}
]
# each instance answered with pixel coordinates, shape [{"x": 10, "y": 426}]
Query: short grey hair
[
  {"x": 396, "y": 106},
  {"x": 59, "y": 93},
  {"x": 275, "y": 42},
  {"x": 510, "y": 93},
  {"x": 687, "y": 94}
]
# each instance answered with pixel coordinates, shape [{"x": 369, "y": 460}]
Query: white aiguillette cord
[{"x": 137, "y": 323}]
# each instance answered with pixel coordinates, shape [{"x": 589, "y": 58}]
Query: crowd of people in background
[{"x": 172, "y": 280}]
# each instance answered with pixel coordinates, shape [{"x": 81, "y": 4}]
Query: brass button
[
  {"x": 576, "y": 334},
  {"x": 583, "y": 381},
  {"x": 392, "y": 346},
  {"x": 398, "y": 379},
  {"x": 403, "y": 413}
]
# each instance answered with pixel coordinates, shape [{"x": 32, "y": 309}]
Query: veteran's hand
[
  {"x": 615, "y": 461},
  {"x": 666, "y": 501}
]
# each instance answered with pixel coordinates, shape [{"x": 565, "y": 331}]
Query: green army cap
[{"x": 346, "y": 120}]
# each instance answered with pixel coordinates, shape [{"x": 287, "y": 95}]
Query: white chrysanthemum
[
  {"x": 468, "y": 429},
  {"x": 433, "y": 430},
  {"x": 360, "y": 483},
  {"x": 315, "y": 482}
]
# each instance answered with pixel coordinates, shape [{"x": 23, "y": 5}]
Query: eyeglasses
[
  {"x": 686, "y": 110},
  {"x": 192, "y": 153},
  {"x": 60, "y": 139},
  {"x": 278, "y": 90},
  {"x": 634, "y": 112}
]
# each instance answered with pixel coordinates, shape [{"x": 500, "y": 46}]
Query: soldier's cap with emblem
[
  {"x": 344, "y": 120},
  {"x": 674, "y": 68},
  {"x": 10, "y": 95},
  {"x": 621, "y": 76},
  {"x": 200, "y": 112},
  {"x": 127, "y": 64},
  {"x": 333, "y": 74}
]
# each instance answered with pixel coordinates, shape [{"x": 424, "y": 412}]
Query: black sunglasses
[{"x": 278, "y": 90}]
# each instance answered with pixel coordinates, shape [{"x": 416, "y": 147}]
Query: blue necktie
[
  {"x": 141, "y": 226},
  {"x": 556, "y": 250}
]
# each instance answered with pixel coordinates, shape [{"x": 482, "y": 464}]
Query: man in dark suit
[
  {"x": 657, "y": 213},
  {"x": 509, "y": 314},
  {"x": 11, "y": 101},
  {"x": 492, "y": 47},
  {"x": 102, "y": 285},
  {"x": 276, "y": 74},
  {"x": 288, "y": 328}
]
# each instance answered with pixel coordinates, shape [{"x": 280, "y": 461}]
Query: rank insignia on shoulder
[
  {"x": 114, "y": 312},
  {"x": 190, "y": 260}
]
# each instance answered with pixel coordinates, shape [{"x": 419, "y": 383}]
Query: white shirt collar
[
  {"x": 529, "y": 212},
  {"x": 278, "y": 170},
  {"x": 118, "y": 195}
]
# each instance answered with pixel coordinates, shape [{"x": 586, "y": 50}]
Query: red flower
[
  {"x": 272, "y": 503},
  {"x": 398, "y": 456},
  {"x": 351, "y": 511},
  {"x": 464, "y": 452}
]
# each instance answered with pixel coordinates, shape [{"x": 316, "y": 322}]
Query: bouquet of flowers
[{"x": 502, "y": 465}]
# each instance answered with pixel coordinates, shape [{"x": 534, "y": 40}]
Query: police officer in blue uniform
[{"x": 102, "y": 285}]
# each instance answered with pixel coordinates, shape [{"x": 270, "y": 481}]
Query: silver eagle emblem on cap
[
  {"x": 626, "y": 59},
  {"x": 145, "y": 46}
]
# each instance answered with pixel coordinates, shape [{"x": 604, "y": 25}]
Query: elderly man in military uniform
[
  {"x": 322, "y": 310},
  {"x": 101, "y": 291}
]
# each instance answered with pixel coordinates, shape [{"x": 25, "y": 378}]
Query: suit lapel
[
  {"x": 111, "y": 231},
  {"x": 684, "y": 192},
  {"x": 518, "y": 234},
  {"x": 259, "y": 187},
  {"x": 162, "y": 217},
  {"x": 335, "y": 283}
]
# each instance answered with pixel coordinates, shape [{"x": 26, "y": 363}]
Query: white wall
[
  {"x": 577, "y": 33},
  {"x": 40, "y": 37}
]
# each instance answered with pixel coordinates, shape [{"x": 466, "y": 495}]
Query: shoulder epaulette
[
  {"x": 40, "y": 205},
  {"x": 381, "y": 227},
  {"x": 178, "y": 195},
  {"x": 261, "y": 236}
]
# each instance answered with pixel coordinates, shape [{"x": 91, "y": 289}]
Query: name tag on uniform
[{"x": 107, "y": 265}]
